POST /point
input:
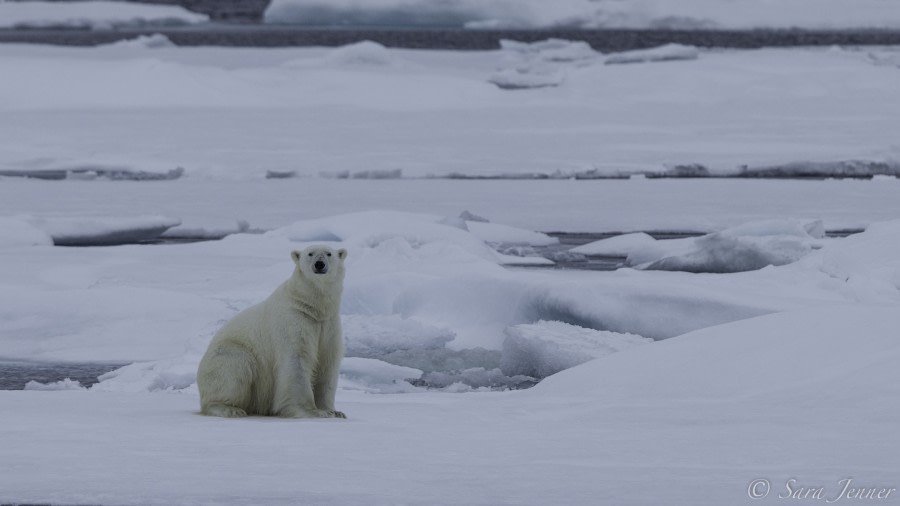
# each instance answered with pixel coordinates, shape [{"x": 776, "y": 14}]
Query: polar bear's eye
[
  {"x": 310, "y": 254},
  {"x": 329, "y": 254}
]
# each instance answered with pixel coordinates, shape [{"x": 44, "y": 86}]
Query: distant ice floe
[
  {"x": 668, "y": 52},
  {"x": 444, "y": 13},
  {"x": 94, "y": 14},
  {"x": 97, "y": 231},
  {"x": 540, "y": 64},
  {"x": 153, "y": 41},
  {"x": 90, "y": 172},
  {"x": 551, "y": 50},
  {"x": 365, "y": 54},
  {"x": 746, "y": 247},
  {"x": 654, "y": 14}
]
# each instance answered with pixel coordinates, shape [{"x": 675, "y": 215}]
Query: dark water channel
[{"x": 14, "y": 374}]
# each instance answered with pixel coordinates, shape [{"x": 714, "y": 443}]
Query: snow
[
  {"x": 685, "y": 14},
  {"x": 423, "y": 303},
  {"x": 749, "y": 372},
  {"x": 94, "y": 14},
  {"x": 668, "y": 52},
  {"x": 236, "y": 114}
]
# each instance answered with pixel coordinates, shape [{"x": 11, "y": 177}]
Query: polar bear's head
[{"x": 320, "y": 261}]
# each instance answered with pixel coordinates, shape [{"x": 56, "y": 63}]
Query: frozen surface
[
  {"x": 655, "y": 415},
  {"x": 571, "y": 206},
  {"x": 423, "y": 302},
  {"x": 751, "y": 371},
  {"x": 95, "y": 14},
  {"x": 238, "y": 114},
  {"x": 685, "y": 14}
]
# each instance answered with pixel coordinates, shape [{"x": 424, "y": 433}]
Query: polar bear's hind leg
[{"x": 225, "y": 382}]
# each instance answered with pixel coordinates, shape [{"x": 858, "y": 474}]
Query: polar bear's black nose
[{"x": 320, "y": 266}]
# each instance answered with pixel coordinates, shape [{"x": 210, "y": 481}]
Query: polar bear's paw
[
  {"x": 224, "y": 410},
  {"x": 310, "y": 413}
]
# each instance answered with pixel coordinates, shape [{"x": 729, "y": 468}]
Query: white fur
[{"x": 282, "y": 356}]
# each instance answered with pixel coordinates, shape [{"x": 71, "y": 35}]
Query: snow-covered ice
[
  {"x": 745, "y": 247},
  {"x": 238, "y": 114},
  {"x": 669, "y": 387},
  {"x": 93, "y": 14}
]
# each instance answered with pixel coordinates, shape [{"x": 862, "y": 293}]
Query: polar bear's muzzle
[{"x": 320, "y": 267}]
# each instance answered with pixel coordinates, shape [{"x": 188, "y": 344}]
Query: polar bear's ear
[
  {"x": 295, "y": 256},
  {"x": 342, "y": 253}
]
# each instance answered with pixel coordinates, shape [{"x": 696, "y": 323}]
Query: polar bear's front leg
[
  {"x": 325, "y": 387},
  {"x": 294, "y": 397}
]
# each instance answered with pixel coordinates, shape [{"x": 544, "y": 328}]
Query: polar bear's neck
[{"x": 312, "y": 299}]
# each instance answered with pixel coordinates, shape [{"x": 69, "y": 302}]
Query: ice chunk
[
  {"x": 375, "y": 376},
  {"x": 745, "y": 247},
  {"x": 667, "y": 52},
  {"x": 547, "y": 347},
  {"x": 153, "y": 41},
  {"x": 378, "y": 335},
  {"x": 474, "y": 378},
  {"x": 96, "y": 231},
  {"x": 16, "y": 232},
  {"x": 553, "y": 50},
  {"x": 66, "y": 384},
  {"x": 362, "y": 53},
  {"x": 186, "y": 232},
  {"x": 721, "y": 253},
  {"x": 806, "y": 229},
  {"x": 526, "y": 78},
  {"x": 94, "y": 14},
  {"x": 620, "y": 245}
]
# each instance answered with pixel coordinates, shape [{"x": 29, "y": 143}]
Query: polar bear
[{"x": 282, "y": 356}]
